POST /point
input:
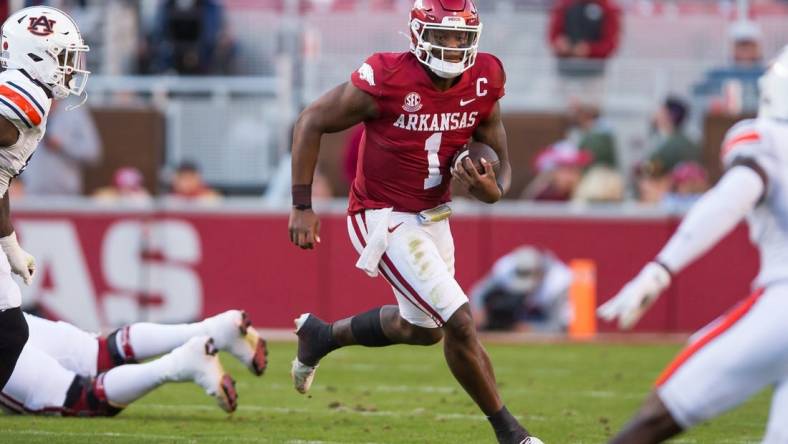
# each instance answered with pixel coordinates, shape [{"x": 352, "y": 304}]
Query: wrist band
[
  {"x": 302, "y": 196},
  {"x": 670, "y": 272}
]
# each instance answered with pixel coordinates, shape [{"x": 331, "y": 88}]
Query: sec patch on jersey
[{"x": 477, "y": 151}]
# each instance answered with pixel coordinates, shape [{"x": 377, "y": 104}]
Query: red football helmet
[{"x": 445, "y": 35}]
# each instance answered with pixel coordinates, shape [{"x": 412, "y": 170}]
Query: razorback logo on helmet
[{"x": 41, "y": 26}]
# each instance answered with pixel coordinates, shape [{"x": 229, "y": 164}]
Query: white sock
[
  {"x": 127, "y": 383},
  {"x": 148, "y": 339}
]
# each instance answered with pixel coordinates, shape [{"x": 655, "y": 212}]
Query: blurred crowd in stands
[
  {"x": 583, "y": 167},
  {"x": 638, "y": 6},
  {"x": 193, "y": 37},
  {"x": 72, "y": 145},
  {"x": 189, "y": 37}
]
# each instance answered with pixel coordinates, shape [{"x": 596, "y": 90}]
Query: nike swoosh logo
[
  {"x": 465, "y": 102},
  {"x": 391, "y": 230}
]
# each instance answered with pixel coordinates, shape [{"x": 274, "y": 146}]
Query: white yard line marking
[
  {"x": 299, "y": 441},
  {"x": 448, "y": 390},
  {"x": 154, "y": 437},
  {"x": 145, "y": 436},
  {"x": 340, "y": 409}
]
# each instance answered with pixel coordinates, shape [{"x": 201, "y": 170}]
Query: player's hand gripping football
[
  {"x": 482, "y": 186},
  {"x": 304, "y": 228},
  {"x": 22, "y": 263},
  {"x": 636, "y": 297}
]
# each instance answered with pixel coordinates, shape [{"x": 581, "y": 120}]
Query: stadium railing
[{"x": 234, "y": 127}]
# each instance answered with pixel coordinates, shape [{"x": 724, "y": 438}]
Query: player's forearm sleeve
[{"x": 712, "y": 217}]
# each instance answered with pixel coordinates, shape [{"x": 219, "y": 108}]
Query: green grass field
[{"x": 567, "y": 393}]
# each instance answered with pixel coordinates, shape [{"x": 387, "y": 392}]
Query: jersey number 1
[{"x": 432, "y": 145}]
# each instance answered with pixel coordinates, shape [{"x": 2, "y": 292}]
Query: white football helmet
[
  {"x": 773, "y": 87},
  {"x": 46, "y": 43}
]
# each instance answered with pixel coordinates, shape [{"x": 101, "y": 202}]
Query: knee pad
[{"x": 86, "y": 397}]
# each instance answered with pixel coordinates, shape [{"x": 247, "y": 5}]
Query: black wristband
[
  {"x": 670, "y": 272},
  {"x": 302, "y": 196}
]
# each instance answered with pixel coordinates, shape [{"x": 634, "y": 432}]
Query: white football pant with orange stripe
[
  {"x": 418, "y": 263},
  {"x": 732, "y": 359}
]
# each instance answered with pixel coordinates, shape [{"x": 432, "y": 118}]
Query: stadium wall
[{"x": 100, "y": 267}]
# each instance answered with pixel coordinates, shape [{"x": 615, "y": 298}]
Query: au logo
[{"x": 41, "y": 26}]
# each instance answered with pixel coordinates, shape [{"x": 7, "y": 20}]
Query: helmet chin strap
[
  {"x": 423, "y": 51},
  {"x": 437, "y": 65},
  {"x": 444, "y": 74},
  {"x": 59, "y": 92},
  {"x": 84, "y": 96}
]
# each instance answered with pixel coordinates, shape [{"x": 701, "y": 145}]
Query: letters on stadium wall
[{"x": 101, "y": 270}]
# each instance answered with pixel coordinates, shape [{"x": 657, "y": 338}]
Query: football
[{"x": 476, "y": 151}]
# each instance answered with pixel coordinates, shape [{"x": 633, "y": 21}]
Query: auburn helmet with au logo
[
  {"x": 46, "y": 43},
  {"x": 445, "y": 35}
]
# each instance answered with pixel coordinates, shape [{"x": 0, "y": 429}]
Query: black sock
[
  {"x": 367, "y": 329},
  {"x": 503, "y": 421},
  {"x": 327, "y": 338},
  {"x": 315, "y": 340}
]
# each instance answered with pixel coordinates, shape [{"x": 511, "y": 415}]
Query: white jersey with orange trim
[
  {"x": 26, "y": 105},
  {"x": 765, "y": 141},
  {"x": 738, "y": 354}
]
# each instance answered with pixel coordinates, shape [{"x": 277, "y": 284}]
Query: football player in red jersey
[{"x": 419, "y": 108}]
